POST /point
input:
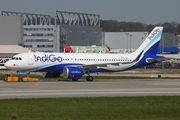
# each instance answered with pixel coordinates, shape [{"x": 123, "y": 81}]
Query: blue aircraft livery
[
  {"x": 153, "y": 34},
  {"x": 47, "y": 58}
]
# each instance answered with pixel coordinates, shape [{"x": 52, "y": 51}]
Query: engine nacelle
[{"x": 72, "y": 72}]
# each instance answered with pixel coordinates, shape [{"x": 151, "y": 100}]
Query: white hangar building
[{"x": 124, "y": 40}]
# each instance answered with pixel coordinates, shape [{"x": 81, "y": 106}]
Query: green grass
[{"x": 98, "y": 108}]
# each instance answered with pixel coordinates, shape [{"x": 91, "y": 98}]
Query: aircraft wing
[
  {"x": 91, "y": 65},
  {"x": 105, "y": 64}
]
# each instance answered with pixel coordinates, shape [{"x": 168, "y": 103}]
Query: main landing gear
[{"x": 89, "y": 78}]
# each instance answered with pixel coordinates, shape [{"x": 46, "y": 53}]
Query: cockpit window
[{"x": 16, "y": 58}]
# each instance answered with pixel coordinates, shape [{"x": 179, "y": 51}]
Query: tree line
[{"x": 115, "y": 26}]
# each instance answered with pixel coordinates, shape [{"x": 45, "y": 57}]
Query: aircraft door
[
  {"x": 30, "y": 59},
  {"x": 73, "y": 60}
]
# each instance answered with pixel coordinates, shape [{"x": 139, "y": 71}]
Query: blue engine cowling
[{"x": 72, "y": 72}]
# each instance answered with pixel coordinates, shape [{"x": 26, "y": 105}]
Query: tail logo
[{"x": 153, "y": 34}]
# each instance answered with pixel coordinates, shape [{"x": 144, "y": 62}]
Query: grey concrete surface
[
  {"x": 44, "y": 89},
  {"x": 82, "y": 88}
]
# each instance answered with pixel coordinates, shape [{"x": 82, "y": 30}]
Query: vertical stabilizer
[{"x": 151, "y": 43}]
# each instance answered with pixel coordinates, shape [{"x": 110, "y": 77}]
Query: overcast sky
[{"x": 145, "y": 11}]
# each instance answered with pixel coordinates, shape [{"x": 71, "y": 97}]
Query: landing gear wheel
[
  {"x": 89, "y": 78},
  {"x": 74, "y": 79}
]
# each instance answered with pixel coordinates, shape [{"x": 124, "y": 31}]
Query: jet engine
[{"x": 73, "y": 73}]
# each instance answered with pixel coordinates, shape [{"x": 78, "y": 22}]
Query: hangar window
[
  {"x": 27, "y": 45},
  {"x": 26, "y": 29}
]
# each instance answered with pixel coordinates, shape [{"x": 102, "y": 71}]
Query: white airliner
[{"x": 75, "y": 65}]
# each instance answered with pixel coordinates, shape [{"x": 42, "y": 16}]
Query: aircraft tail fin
[{"x": 151, "y": 43}]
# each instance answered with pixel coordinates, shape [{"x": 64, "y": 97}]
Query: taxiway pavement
[{"x": 97, "y": 88}]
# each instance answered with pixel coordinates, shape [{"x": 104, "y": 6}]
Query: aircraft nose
[
  {"x": 10, "y": 65},
  {"x": 7, "y": 65}
]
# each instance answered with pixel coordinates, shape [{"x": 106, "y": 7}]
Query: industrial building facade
[
  {"x": 124, "y": 40},
  {"x": 76, "y": 29},
  {"x": 44, "y": 33},
  {"x": 11, "y": 30},
  {"x": 39, "y": 38}
]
